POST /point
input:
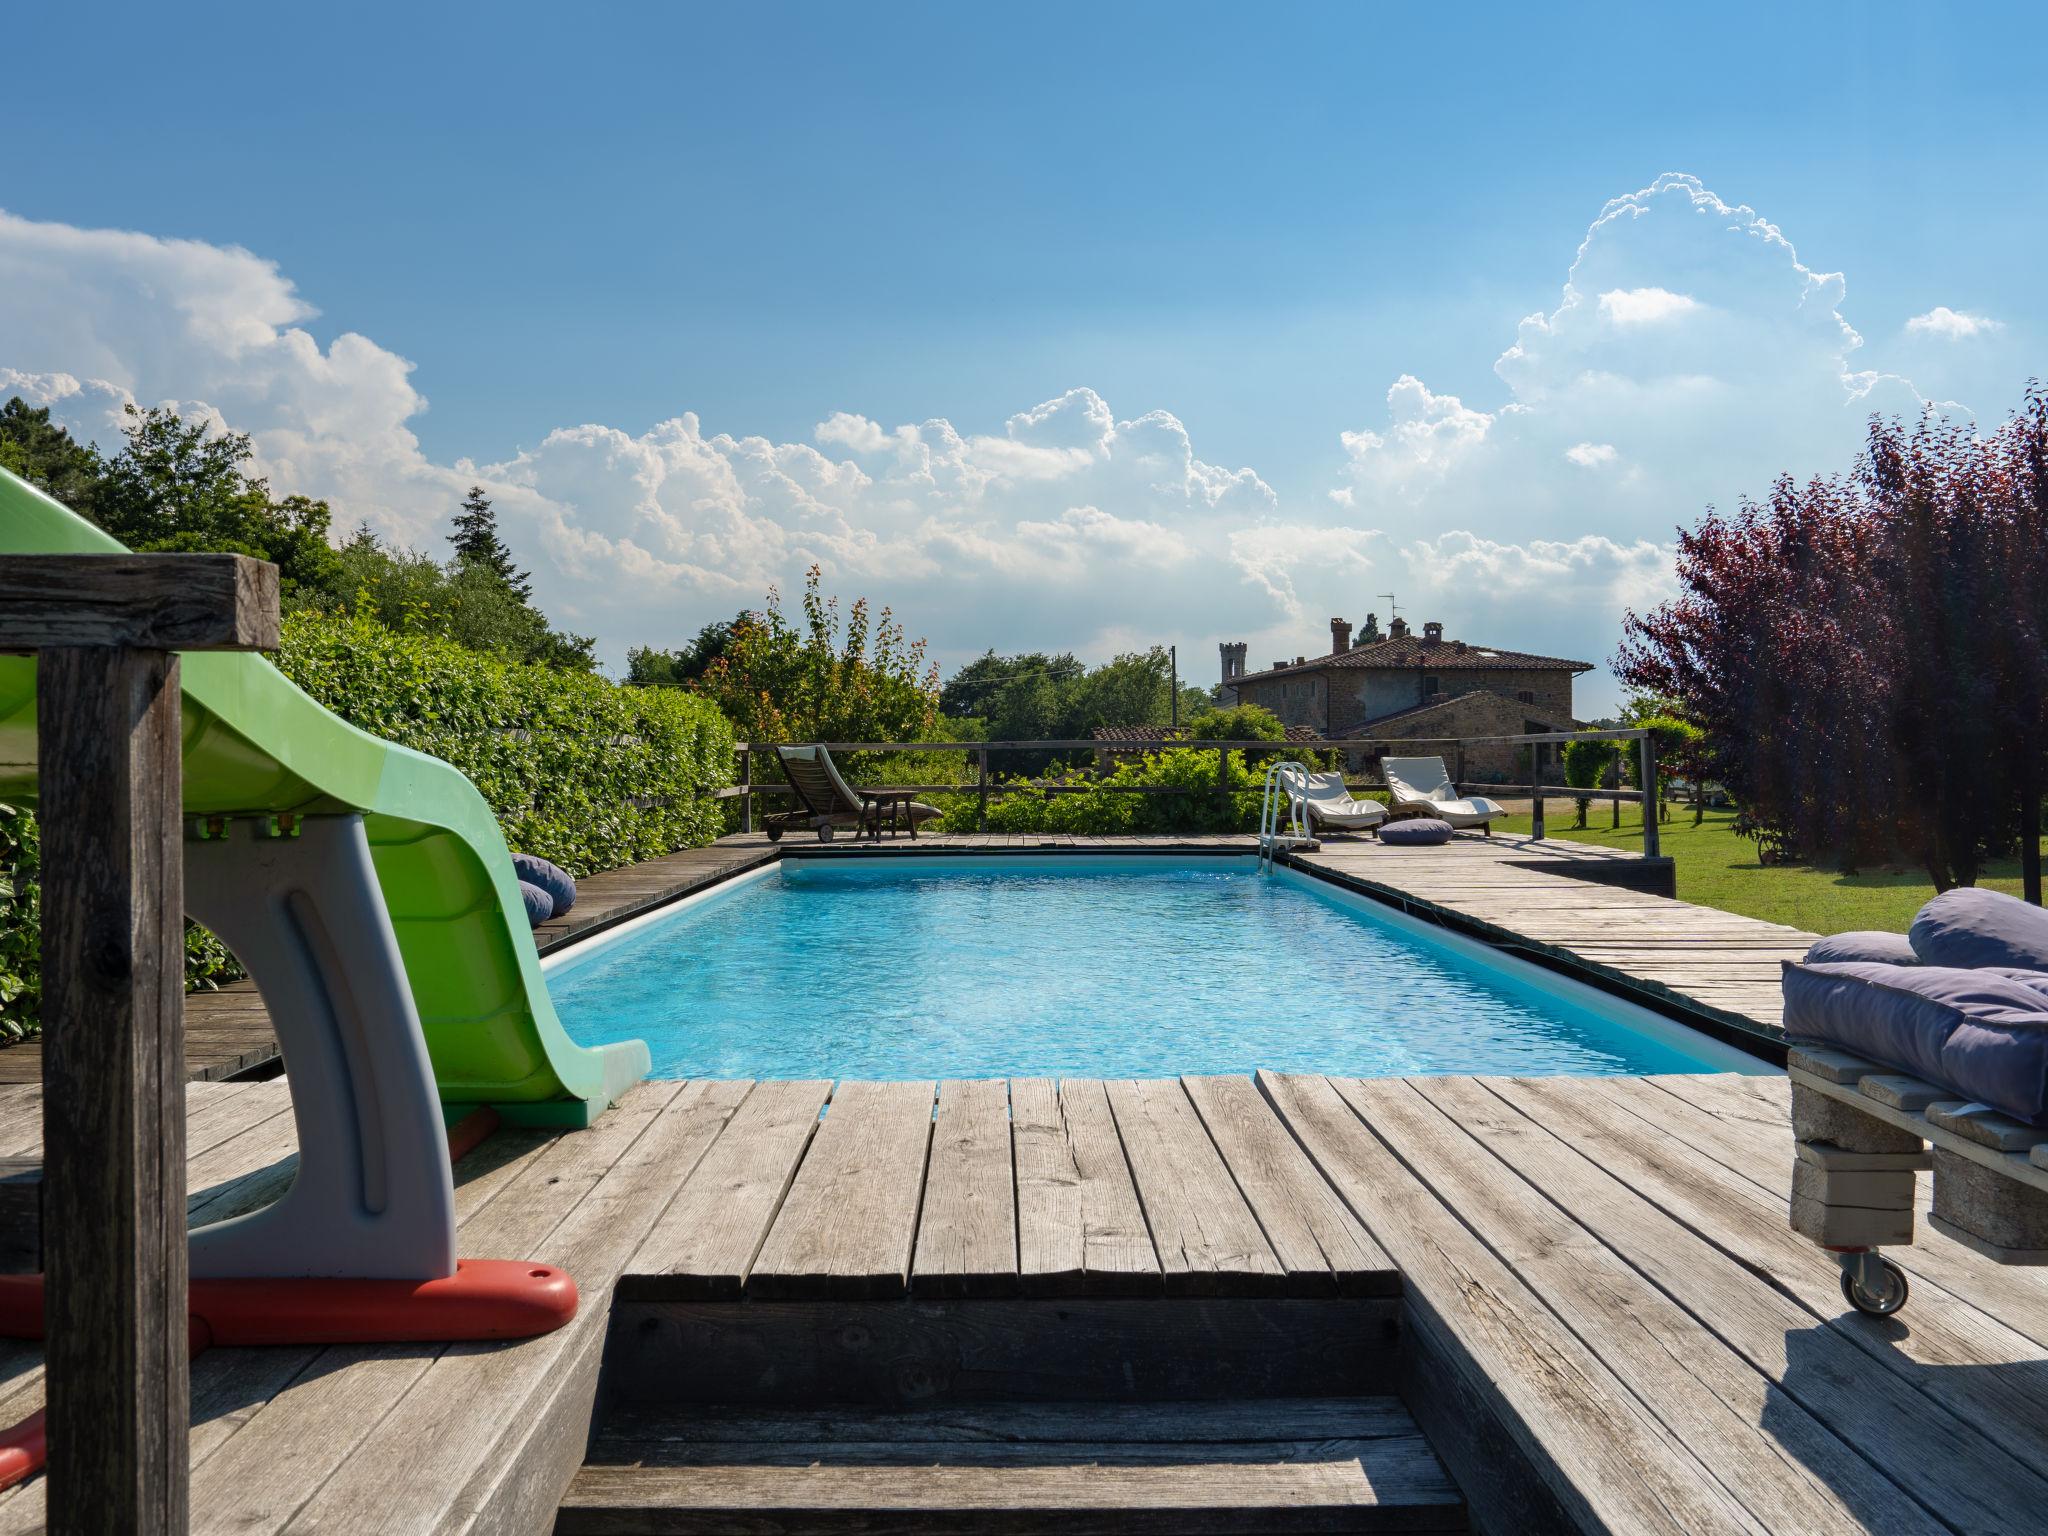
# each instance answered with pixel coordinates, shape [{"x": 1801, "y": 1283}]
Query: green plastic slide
[{"x": 255, "y": 744}]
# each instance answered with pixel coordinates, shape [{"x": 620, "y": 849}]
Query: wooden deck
[
  {"x": 1584, "y": 1290},
  {"x": 1535, "y": 897}
]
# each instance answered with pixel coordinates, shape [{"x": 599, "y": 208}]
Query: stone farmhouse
[{"x": 1423, "y": 688}]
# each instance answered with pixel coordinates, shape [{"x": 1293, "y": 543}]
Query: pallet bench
[{"x": 1864, "y": 1130}]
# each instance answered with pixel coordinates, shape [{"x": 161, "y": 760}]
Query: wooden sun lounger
[{"x": 1863, "y": 1131}]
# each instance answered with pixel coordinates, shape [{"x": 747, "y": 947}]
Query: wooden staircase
[{"x": 1192, "y": 1414}]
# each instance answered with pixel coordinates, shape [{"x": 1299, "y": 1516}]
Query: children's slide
[{"x": 262, "y": 759}]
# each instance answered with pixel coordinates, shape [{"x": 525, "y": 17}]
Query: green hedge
[
  {"x": 1097, "y": 812},
  {"x": 577, "y": 769}
]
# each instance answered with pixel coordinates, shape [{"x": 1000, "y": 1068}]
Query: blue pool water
[{"x": 1118, "y": 967}]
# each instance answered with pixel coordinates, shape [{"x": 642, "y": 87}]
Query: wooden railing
[{"x": 984, "y": 786}]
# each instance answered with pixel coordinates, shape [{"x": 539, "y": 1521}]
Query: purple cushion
[
  {"x": 540, "y": 906},
  {"x": 558, "y": 883},
  {"x": 1423, "y": 831},
  {"x": 1969, "y": 927},
  {"x": 1980, "y": 1032},
  {"x": 1883, "y": 948}
]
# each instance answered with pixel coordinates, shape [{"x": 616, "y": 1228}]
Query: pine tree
[{"x": 477, "y": 543}]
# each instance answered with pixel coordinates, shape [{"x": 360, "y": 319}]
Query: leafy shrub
[
  {"x": 21, "y": 983},
  {"x": 1097, "y": 810},
  {"x": 577, "y": 769}
]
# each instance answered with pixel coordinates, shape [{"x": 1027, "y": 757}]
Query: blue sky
[{"x": 1256, "y": 219}]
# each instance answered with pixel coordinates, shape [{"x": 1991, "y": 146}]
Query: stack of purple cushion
[
  {"x": 1960, "y": 1000},
  {"x": 549, "y": 890}
]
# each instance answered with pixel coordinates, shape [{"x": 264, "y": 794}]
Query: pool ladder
[{"x": 1283, "y": 803}]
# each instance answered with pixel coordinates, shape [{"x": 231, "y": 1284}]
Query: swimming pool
[{"x": 915, "y": 967}]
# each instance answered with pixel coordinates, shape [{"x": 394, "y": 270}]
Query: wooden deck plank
[
  {"x": 704, "y": 1244},
  {"x": 435, "y": 1460},
  {"x": 293, "y": 1445},
  {"x": 1945, "y": 1461},
  {"x": 1079, "y": 1224},
  {"x": 967, "y": 1230},
  {"x": 847, "y": 1226},
  {"x": 1601, "y": 1460},
  {"x": 1208, "y": 1240},
  {"x": 1313, "y": 1235},
  {"x": 1785, "y": 1465}
]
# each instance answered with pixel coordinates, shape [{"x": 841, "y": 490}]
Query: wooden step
[
  {"x": 909, "y": 1355},
  {"x": 1268, "y": 1465}
]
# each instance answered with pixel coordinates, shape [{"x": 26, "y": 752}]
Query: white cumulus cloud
[
  {"x": 1954, "y": 324},
  {"x": 1645, "y": 306},
  {"x": 1690, "y": 356}
]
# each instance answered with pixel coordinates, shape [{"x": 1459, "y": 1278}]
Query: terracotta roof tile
[{"x": 1415, "y": 653}]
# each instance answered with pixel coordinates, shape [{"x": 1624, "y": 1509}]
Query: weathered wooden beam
[
  {"x": 113, "y": 1066},
  {"x": 150, "y": 602}
]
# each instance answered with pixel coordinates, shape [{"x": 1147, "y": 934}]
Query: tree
[
  {"x": 828, "y": 680},
  {"x": 1584, "y": 764},
  {"x": 46, "y": 455},
  {"x": 1868, "y": 654},
  {"x": 410, "y": 592},
  {"x": 179, "y": 486},
  {"x": 651, "y": 668},
  {"x": 477, "y": 544}
]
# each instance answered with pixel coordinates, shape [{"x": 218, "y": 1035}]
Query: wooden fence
[{"x": 983, "y": 786}]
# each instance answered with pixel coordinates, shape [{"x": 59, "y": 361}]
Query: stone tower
[{"x": 1233, "y": 658}]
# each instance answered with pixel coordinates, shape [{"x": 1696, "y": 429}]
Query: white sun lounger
[
  {"x": 1421, "y": 784},
  {"x": 1322, "y": 798}
]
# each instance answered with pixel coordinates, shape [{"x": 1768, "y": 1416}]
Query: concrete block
[
  {"x": 1875, "y": 1190},
  {"x": 1816, "y": 1117},
  {"x": 1836, "y": 1066},
  {"x": 1823, "y": 1154},
  {"x": 1985, "y": 1126},
  {"x": 1850, "y": 1226},
  {"x": 1997, "y": 1209}
]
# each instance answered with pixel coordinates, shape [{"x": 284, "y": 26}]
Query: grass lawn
[{"x": 1718, "y": 869}]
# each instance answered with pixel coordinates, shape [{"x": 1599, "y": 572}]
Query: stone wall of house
[
  {"x": 1293, "y": 700},
  {"x": 1481, "y": 713}
]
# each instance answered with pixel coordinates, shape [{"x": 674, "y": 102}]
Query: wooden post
[
  {"x": 105, "y": 628},
  {"x": 1614, "y": 791},
  {"x": 2030, "y": 833},
  {"x": 1223, "y": 784},
  {"x": 1648, "y": 775},
  {"x": 1536, "y": 790},
  {"x": 747, "y": 786},
  {"x": 981, "y": 787}
]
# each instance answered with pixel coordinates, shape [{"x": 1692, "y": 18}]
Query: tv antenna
[{"x": 1393, "y": 612}]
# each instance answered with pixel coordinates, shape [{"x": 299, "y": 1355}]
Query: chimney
[
  {"x": 1280, "y": 663},
  {"x": 1432, "y": 633},
  {"x": 1340, "y": 636},
  {"x": 1233, "y": 659},
  {"x": 1300, "y": 661},
  {"x": 1398, "y": 630}
]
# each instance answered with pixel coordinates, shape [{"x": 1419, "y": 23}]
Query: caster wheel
[{"x": 1889, "y": 1296}]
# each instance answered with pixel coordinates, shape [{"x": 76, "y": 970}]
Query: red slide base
[{"x": 483, "y": 1299}]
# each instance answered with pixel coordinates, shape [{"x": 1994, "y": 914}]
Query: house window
[
  {"x": 1431, "y": 685},
  {"x": 1527, "y": 696}
]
